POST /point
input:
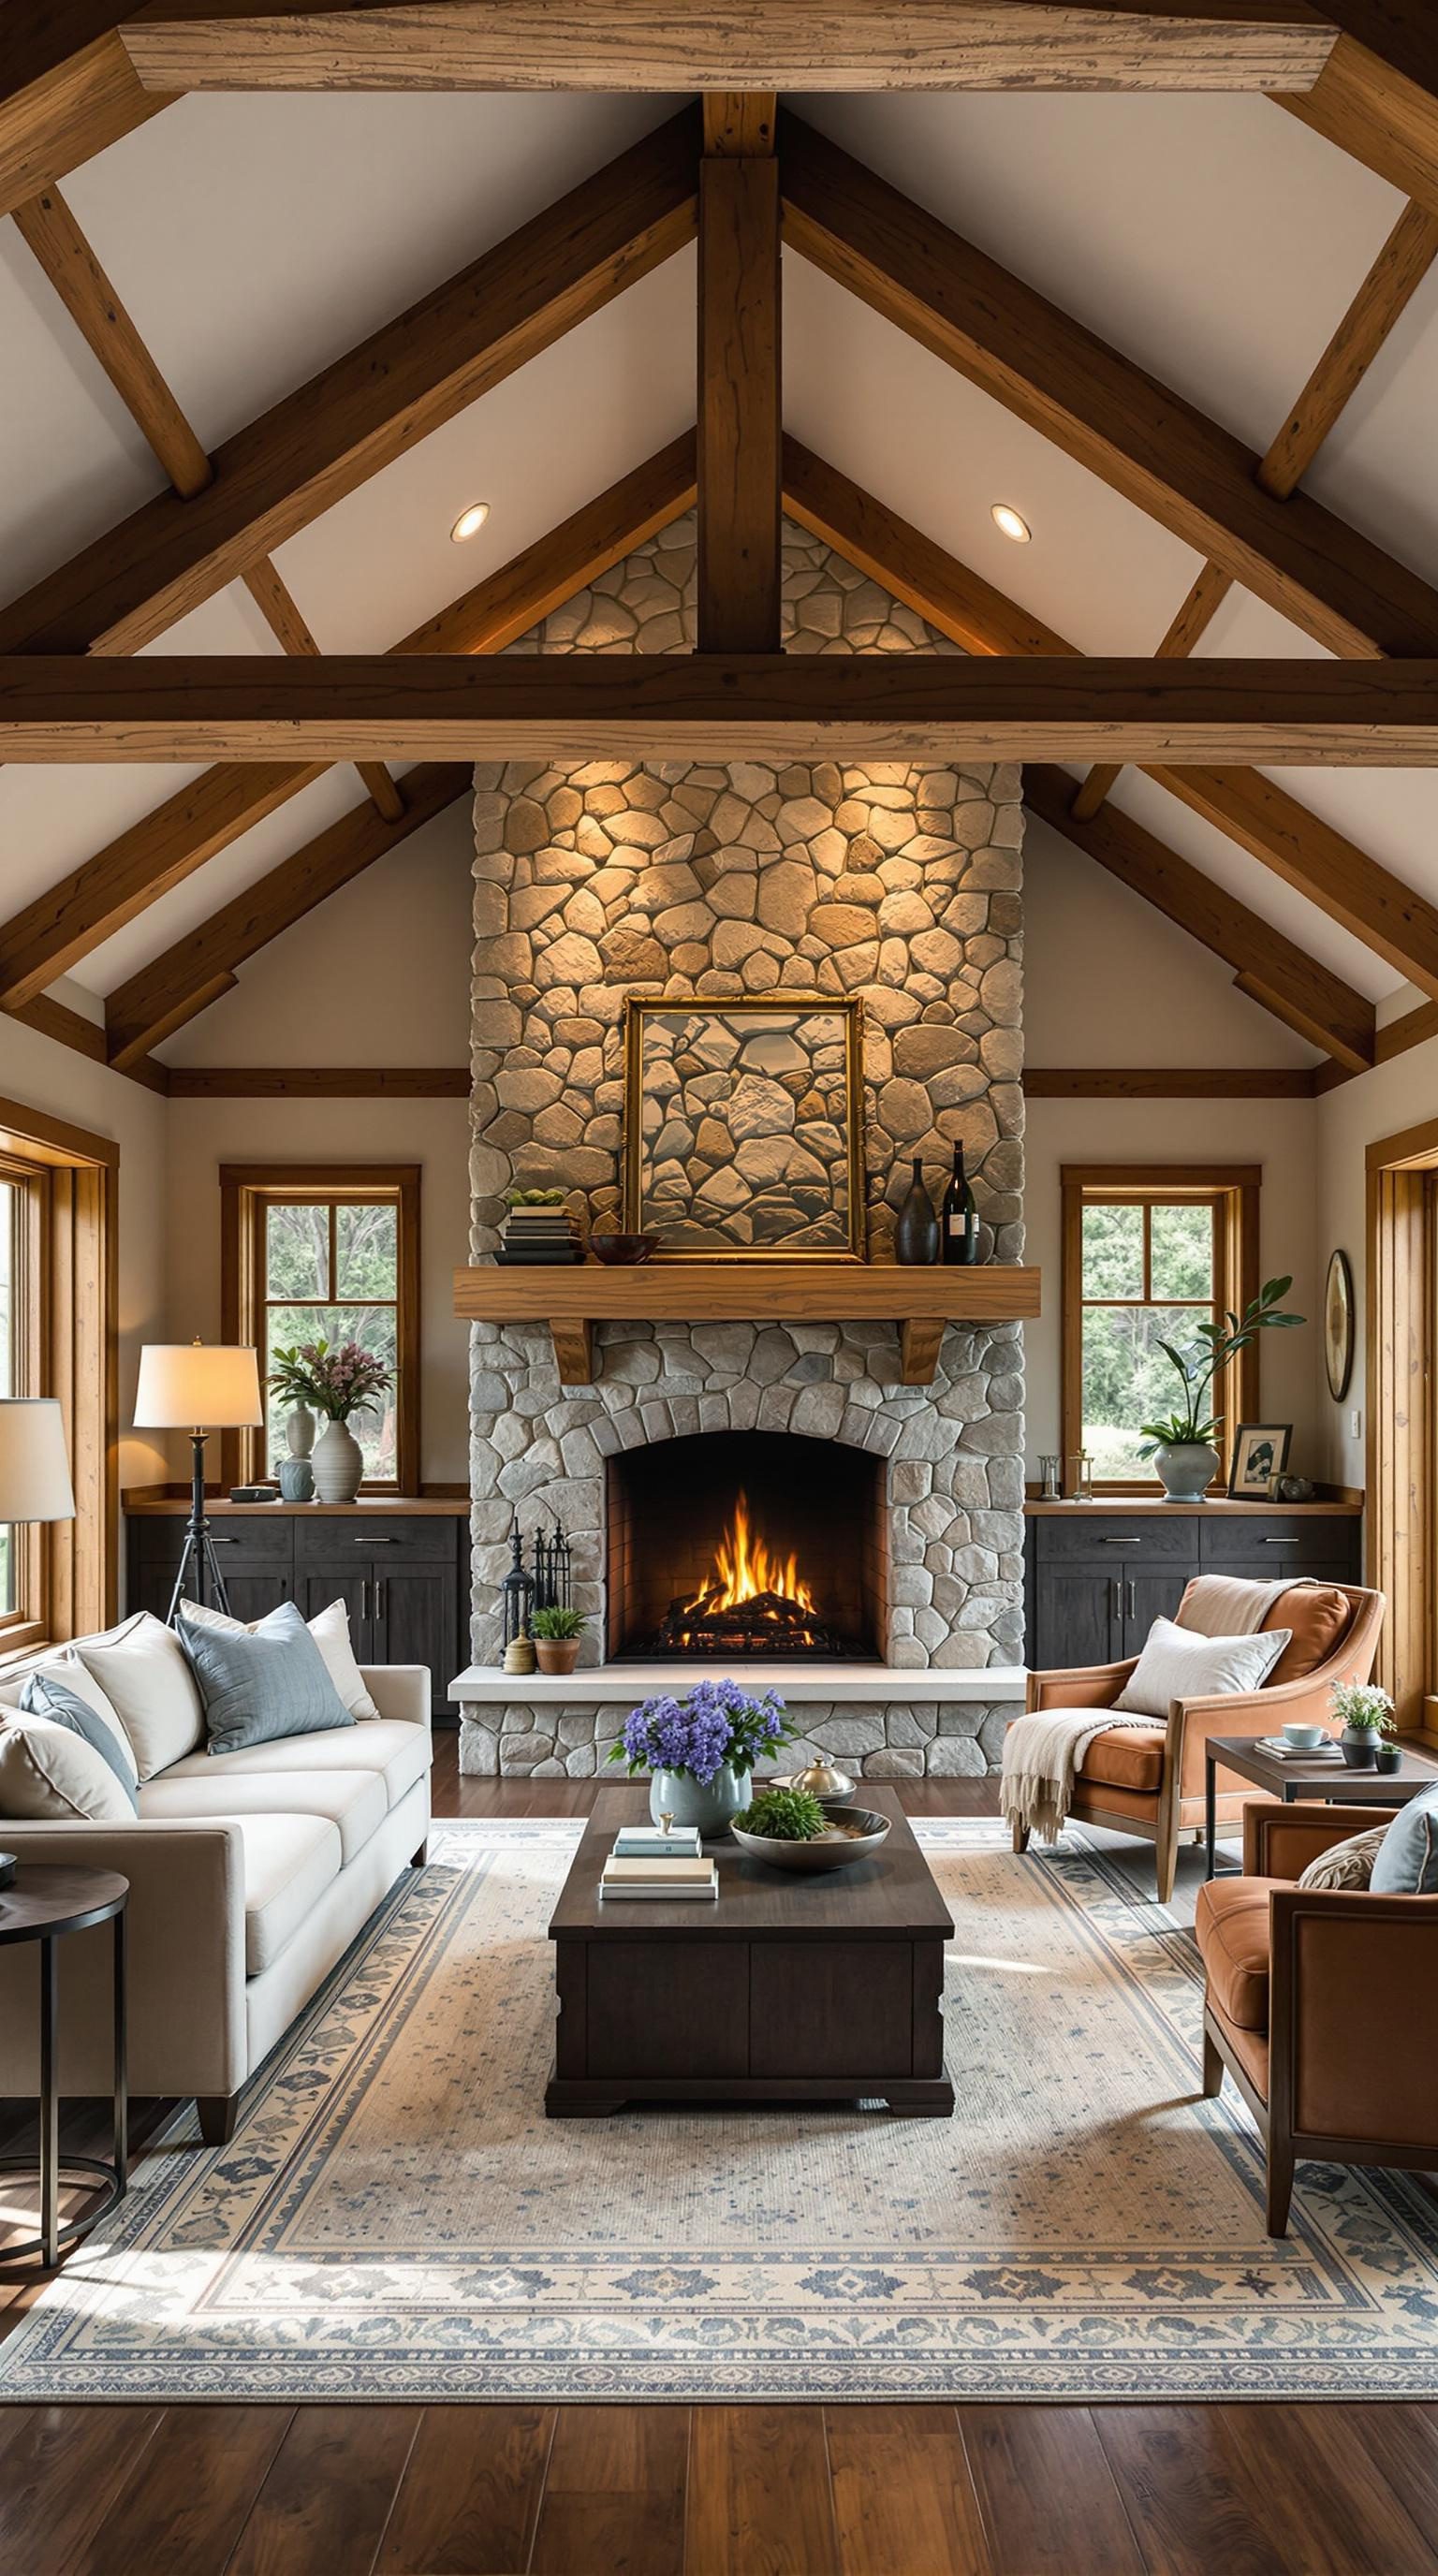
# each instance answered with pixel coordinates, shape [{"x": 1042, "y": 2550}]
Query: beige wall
[
  {"x": 1382, "y": 1103},
  {"x": 1108, "y": 982},
  {"x": 40, "y": 1074}
]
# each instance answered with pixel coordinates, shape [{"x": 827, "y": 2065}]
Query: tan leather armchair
[
  {"x": 1149, "y": 1781},
  {"x": 1322, "y": 2007}
]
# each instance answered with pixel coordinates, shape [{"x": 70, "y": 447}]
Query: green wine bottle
[{"x": 959, "y": 1223}]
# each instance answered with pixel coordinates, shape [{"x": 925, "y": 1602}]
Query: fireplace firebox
[{"x": 737, "y": 1543}]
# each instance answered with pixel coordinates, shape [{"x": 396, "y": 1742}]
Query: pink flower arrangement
[{"x": 336, "y": 1382}]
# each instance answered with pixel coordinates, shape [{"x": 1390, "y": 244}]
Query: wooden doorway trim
[{"x": 1402, "y": 1427}]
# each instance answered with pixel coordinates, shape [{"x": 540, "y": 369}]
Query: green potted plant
[
  {"x": 1181, "y": 1448},
  {"x": 556, "y": 1634},
  {"x": 1368, "y": 1718}
]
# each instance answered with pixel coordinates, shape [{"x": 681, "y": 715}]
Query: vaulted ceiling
[{"x": 1213, "y": 240}]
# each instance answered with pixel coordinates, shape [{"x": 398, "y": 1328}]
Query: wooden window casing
[
  {"x": 1231, "y": 1190},
  {"x": 1402, "y": 1467},
  {"x": 66, "y": 1208},
  {"x": 246, "y": 1191}
]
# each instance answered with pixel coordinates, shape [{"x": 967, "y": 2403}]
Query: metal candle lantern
[
  {"x": 517, "y": 1592},
  {"x": 552, "y": 1570}
]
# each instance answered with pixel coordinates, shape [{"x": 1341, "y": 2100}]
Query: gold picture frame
[{"x": 779, "y": 1078}]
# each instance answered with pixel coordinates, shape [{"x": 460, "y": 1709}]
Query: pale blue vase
[{"x": 712, "y": 1805}]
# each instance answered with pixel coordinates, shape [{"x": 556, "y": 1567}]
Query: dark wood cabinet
[
  {"x": 1098, "y": 1575},
  {"x": 402, "y": 1575}
]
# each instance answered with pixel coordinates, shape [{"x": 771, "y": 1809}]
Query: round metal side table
[{"x": 42, "y": 1903}]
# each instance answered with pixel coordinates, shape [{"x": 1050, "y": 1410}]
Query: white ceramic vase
[
  {"x": 300, "y": 1432},
  {"x": 1187, "y": 1468},
  {"x": 338, "y": 1463}
]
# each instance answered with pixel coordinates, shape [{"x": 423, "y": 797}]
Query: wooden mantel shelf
[{"x": 919, "y": 1301}]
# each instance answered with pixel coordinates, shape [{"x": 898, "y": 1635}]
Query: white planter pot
[
  {"x": 1187, "y": 1469},
  {"x": 338, "y": 1463},
  {"x": 300, "y": 1432}
]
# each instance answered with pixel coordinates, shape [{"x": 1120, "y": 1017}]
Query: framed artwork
[
  {"x": 743, "y": 1126},
  {"x": 1338, "y": 1325},
  {"x": 1260, "y": 1452}
]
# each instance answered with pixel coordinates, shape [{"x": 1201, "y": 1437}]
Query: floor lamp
[{"x": 198, "y": 1387}]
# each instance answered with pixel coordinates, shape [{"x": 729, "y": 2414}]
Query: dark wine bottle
[
  {"x": 959, "y": 1223},
  {"x": 916, "y": 1228}
]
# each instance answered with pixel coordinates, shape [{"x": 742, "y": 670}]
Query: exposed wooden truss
[
  {"x": 756, "y": 44},
  {"x": 175, "y": 987},
  {"x": 51, "y": 935},
  {"x": 1352, "y": 888},
  {"x": 706, "y": 707},
  {"x": 317, "y": 444},
  {"x": 1108, "y": 414},
  {"x": 739, "y": 588},
  {"x": 67, "y": 89},
  {"x": 1382, "y": 299}
]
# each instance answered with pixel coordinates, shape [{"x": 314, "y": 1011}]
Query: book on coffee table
[
  {"x": 659, "y": 1878},
  {"x": 650, "y": 1842}
]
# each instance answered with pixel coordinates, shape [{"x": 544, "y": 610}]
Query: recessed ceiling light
[
  {"x": 470, "y": 521},
  {"x": 1006, "y": 520}
]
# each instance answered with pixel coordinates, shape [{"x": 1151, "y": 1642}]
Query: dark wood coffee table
[
  {"x": 1295, "y": 1778},
  {"x": 790, "y": 1989}
]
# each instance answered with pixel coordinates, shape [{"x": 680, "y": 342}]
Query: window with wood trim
[
  {"x": 1149, "y": 1252},
  {"x": 57, "y": 1337},
  {"x": 327, "y": 1252},
  {"x": 1402, "y": 1410}
]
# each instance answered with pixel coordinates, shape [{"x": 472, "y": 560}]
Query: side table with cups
[{"x": 42, "y": 1903}]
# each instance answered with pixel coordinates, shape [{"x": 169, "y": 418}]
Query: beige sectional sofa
[{"x": 250, "y": 1876}]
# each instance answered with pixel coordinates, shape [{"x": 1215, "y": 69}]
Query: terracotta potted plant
[{"x": 556, "y": 1635}]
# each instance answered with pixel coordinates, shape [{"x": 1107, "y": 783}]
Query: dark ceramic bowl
[
  {"x": 861, "y": 1831},
  {"x": 622, "y": 1248}
]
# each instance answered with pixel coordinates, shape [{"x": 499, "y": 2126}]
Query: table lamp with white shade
[{"x": 198, "y": 1387}]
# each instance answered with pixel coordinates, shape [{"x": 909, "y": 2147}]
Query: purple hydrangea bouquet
[{"x": 700, "y": 1750}]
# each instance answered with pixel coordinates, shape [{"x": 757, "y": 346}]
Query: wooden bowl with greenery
[{"x": 787, "y": 1829}]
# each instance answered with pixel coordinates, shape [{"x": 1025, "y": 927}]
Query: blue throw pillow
[
  {"x": 43, "y": 1696},
  {"x": 1407, "y": 1862},
  {"x": 261, "y": 1683}
]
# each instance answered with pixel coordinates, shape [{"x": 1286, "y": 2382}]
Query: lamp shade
[
  {"x": 197, "y": 1386},
  {"x": 34, "y": 1469}
]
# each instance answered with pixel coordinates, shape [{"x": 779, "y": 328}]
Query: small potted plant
[
  {"x": 556, "y": 1634},
  {"x": 701, "y": 1750},
  {"x": 1367, "y": 1715},
  {"x": 1181, "y": 1447}
]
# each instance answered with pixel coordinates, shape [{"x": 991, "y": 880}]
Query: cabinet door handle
[
  {"x": 1132, "y": 1602},
  {"x": 379, "y": 1599},
  {"x": 1130, "y": 1538},
  {"x": 377, "y": 1539},
  {"x": 1115, "y": 1596},
  {"x": 364, "y": 1598},
  {"x": 222, "y": 1542},
  {"x": 1280, "y": 1542}
]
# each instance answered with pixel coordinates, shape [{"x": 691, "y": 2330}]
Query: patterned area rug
[{"x": 396, "y": 2219}]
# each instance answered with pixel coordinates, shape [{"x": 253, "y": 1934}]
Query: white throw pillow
[
  {"x": 65, "y": 1664},
  {"x": 144, "y": 1675},
  {"x": 49, "y": 1776},
  {"x": 1177, "y": 1663},
  {"x": 330, "y": 1629},
  {"x": 1348, "y": 1864}
]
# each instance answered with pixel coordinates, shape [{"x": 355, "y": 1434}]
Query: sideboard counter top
[{"x": 1035, "y": 1508}]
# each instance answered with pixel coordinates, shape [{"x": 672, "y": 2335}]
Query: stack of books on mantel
[
  {"x": 540, "y": 1234},
  {"x": 647, "y": 1862}
]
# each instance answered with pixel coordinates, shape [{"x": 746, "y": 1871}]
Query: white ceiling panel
[{"x": 53, "y": 820}]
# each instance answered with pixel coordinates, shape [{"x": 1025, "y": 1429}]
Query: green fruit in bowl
[{"x": 784, "y": 1816}]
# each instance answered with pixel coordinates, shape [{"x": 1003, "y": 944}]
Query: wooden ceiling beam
[
  {"x": 59, "y": 709},
  {"x": 1320, "y": 1006},
  {"x": 67, "y": 89},
  {"x": 756, "y": 44},
  {"x": 740, "y": 569},
  {"x": 1141, "y": 438},
  {"x": 1376, "y": 115},
  {"x": 739, "y": 122},
  {"x": 372, "y": 405},
  {"x": 1381, "y": 300},
  {"x": 1401, "y": 33},
  {"x": 51, "y": 935},
  {"x": 177, "y": 986},
  {"x": 1349, "y": 886},
  {"x": 281, "y": 613}
]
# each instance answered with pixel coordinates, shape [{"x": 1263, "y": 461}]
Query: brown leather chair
[
  {"x": 1149, "y": 1781},
  {"x": 1323, "y": 2008}
]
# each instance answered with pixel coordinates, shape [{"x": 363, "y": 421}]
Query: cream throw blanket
[{"x": 1045, "y": 1749}]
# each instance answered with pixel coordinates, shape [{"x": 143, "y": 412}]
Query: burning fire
[{"x": 745, "y": 1569}]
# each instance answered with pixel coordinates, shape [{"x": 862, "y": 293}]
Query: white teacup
[{"x": 1304, "y": 1739}]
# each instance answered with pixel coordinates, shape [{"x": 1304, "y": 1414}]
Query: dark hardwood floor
[{"x": 921, "y": 2490}]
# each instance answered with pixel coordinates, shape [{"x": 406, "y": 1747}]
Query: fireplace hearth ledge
[{"x": 882, "y": 1721}]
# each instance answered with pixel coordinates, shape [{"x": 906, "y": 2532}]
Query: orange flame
[{"x": 744, "y": 1567}]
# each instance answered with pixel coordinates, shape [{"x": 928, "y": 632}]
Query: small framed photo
[{"x": 1260, "y": 1453}]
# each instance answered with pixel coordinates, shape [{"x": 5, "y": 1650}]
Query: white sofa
[{"x": 250, "y": 1875}]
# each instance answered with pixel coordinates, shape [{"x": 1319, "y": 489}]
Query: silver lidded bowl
[
  {"x": 822, "y": 1781},
  {"x": 850, "y": 1834}
]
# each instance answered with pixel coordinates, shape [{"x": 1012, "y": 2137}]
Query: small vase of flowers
[
  {"x": 1367, "y": 1715},
  {"x": 337, "y": 1383},
  {"x": 701, "y": 1750}
]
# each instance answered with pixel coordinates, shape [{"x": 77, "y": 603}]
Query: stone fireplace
[{"x": 900, "y": 1506}]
